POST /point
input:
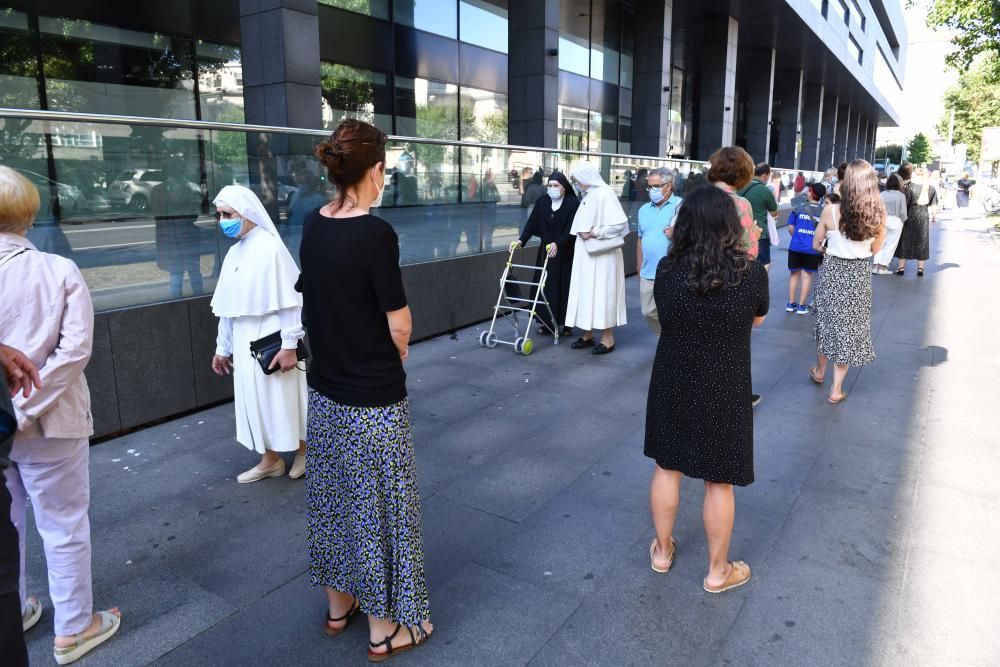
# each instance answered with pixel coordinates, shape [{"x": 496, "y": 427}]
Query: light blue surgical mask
[
  {"x": 555, "y": 194},
  {"x": 231, "y": 227},
  {"x": 656, "y": 195}
]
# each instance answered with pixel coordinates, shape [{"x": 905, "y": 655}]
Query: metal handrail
[{"x": 72, "y": 116}]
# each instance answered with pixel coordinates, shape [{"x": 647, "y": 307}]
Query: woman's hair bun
[
  {"x": 326, "y": 154},
  {"x": 353, "y": 149}
]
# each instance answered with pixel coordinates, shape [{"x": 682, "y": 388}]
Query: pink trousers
[{"x": 54, "y": 474}]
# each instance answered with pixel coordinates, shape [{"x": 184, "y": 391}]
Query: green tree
[
  {"x": 976, "y": 28},
  {"x": 918, "y": 151},
  {"x": 976, "y": 102}
]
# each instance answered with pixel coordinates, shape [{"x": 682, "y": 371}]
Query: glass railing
[{"x": 129, "y": 199}]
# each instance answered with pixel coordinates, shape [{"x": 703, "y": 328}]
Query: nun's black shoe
[
  {"x": 581, "y": 343},
  {"x": 603, "y": 349}
]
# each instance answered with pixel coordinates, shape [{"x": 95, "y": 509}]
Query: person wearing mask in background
[
  {"x": 362, "y": 500},
  {"x": 762, "y": 202},
  {"x": 895, "y": 208},
  {"x": 850, "y": 233},
  {"x": 251, "y": 304},
  {"x": 799, "y": 183},
  {"x": 17, "y": 375},
  {"x": 699, "y": 422},
  {"x": 47, "y": 313},
  {"x": 829, "y": 180},
  {"x": 921, "y": 208},
  {"x": 597, "y": 287},
  {"x": 551, "y": 220},
  {"x": 964, "y": 185},
  {"x": 803, "y": 261},
  {"x": 655, "y": 220}
]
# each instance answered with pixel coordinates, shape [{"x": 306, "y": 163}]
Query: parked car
[
  {"x": 70, "y": 197},
  {"x": 132, "y": 187}
]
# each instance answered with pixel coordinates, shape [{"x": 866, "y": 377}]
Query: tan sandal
[
  {"x": 739, "y": 575},
  {"x": 415, "y": 641},
  {"x": 670, "y": 561},
  {"x": 815, "y": 376},
  {"x": 843, "y": 397}
]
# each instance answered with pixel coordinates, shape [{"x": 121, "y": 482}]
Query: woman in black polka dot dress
[{"x": 699, "y": 421}]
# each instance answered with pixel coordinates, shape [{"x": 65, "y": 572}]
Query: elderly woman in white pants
[
  {"x": 895, "y": 208},
  {"x": 46, "y": 312}
]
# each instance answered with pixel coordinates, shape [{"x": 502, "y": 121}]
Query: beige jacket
[{"x": 46, "y": 312}]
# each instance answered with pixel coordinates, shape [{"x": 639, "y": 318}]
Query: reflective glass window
[
  {"x": 349, "y": 92},
  {"x": 377, "y": 8},
  {"x": 97, "y": 68},
  {"x": 628, "y": 50},
  {"x": 605, "y": 41},
  {"x": 220, "y": 82},
  {"x": 624, "y": 135},
  {"x": 437, "y": 16},
  {"x": 854, "y": 49},
  {"x": 574, "y": 36},
  {"x": 18, "y": 63},
  {"x": 484, "y": 23},
  {"x": 426, "y": 108},
  {"x": 572, "y": 128},
  {"x": 484, "y": 116},
  {"x": 837, "y": 9}
]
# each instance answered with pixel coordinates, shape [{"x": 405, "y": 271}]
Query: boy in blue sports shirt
[{"x": 803, "y": 261}]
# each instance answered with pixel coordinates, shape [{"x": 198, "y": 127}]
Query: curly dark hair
[
  {"x": 862, "y": 212},
  {"x": 708, "y": 239},
  {"x": 353, "y": 149}
]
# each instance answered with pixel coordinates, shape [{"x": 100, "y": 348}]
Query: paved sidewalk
[{"x": 871, "y": 528}]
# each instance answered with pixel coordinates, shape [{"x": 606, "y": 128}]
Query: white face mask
[
  {"x": 555, "y": 194},
  {"x": 381, "y": 191}
]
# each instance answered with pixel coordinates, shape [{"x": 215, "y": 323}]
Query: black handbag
[{"x": 265, "y": 349}]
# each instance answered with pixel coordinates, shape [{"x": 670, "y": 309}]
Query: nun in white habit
[
  {"x": 597, "y": 286},
  {"x": 255, "y": 297}
]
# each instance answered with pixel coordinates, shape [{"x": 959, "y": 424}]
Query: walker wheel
[
  {"x": 527, "y": 346},
  {"x": 482, "y": 338},
  {"x": 491, "y": 340}
]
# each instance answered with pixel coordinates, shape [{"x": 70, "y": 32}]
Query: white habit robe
[
  {"x": 255, "y": 297},
  {"x": 597, "y": 285}
]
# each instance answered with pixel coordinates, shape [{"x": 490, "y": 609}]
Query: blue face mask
[
  {"x": 656, "y": 196},
  {"x": 231, "y": 228}
]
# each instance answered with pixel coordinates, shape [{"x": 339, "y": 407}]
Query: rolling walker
[{"x": 507, "y": 307}]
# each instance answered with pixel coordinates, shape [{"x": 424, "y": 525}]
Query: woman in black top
[
  {"x": 551, "y": 220},
  {"x": 962, "y": 194},
  {"x": 363, "y": 505},
  {"x": 699, "y": 420}
]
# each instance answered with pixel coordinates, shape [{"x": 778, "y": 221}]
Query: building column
[
  {"x": 788, "y": 88},
  {"x": 651, "y": 92},
  {"x": 279, "y": 46},
  {"x": 863, "y": 140},
  {"x": 854, "y": 131},
  {"x": 828, "y": 141},
  {"x": 533, "y": 73},
  {"x": 840, "y": 151},
  {"x": 720, "y": 38},
  {"x": 760, "y": 93},
  {"x": 873, "y": 137},
  {"x": 812, "y": 127}
]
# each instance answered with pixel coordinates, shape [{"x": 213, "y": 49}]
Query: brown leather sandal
[
  {"x": 670, "y": 561},
  {"x": 739, "y": 575},
  {"x": 415, "y": 641},
  {"x": 333, "y": 632}
]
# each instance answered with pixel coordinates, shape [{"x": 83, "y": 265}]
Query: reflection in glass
[
  {"x": 484, "y": 116},
  {"x": 349, "y": 92},
  {"x": 572, "y": 128},
  {"x": 605, "y": 42},
  {"x": 574, "y": 55},
  {"x": 377, "y": 8},
  {"x": 220, "y": 82},
  {"x": 97, "y": 68},
  {"x": 437, "y": 16},
  {"x": 18, "y": 64},
  {"x": 484, "y": 23},
  {"x": 426, "y": 108}
]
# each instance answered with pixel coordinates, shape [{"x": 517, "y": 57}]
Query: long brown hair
[
  {"x": 862, "y": 213},
  {"x": 353, "y": 149}
]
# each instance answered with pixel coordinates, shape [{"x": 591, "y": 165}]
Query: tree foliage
[
  {"x": 976, "y": 102},
  {"x": 976, "y": 28},
  {"x": 918, "y": 151}
]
